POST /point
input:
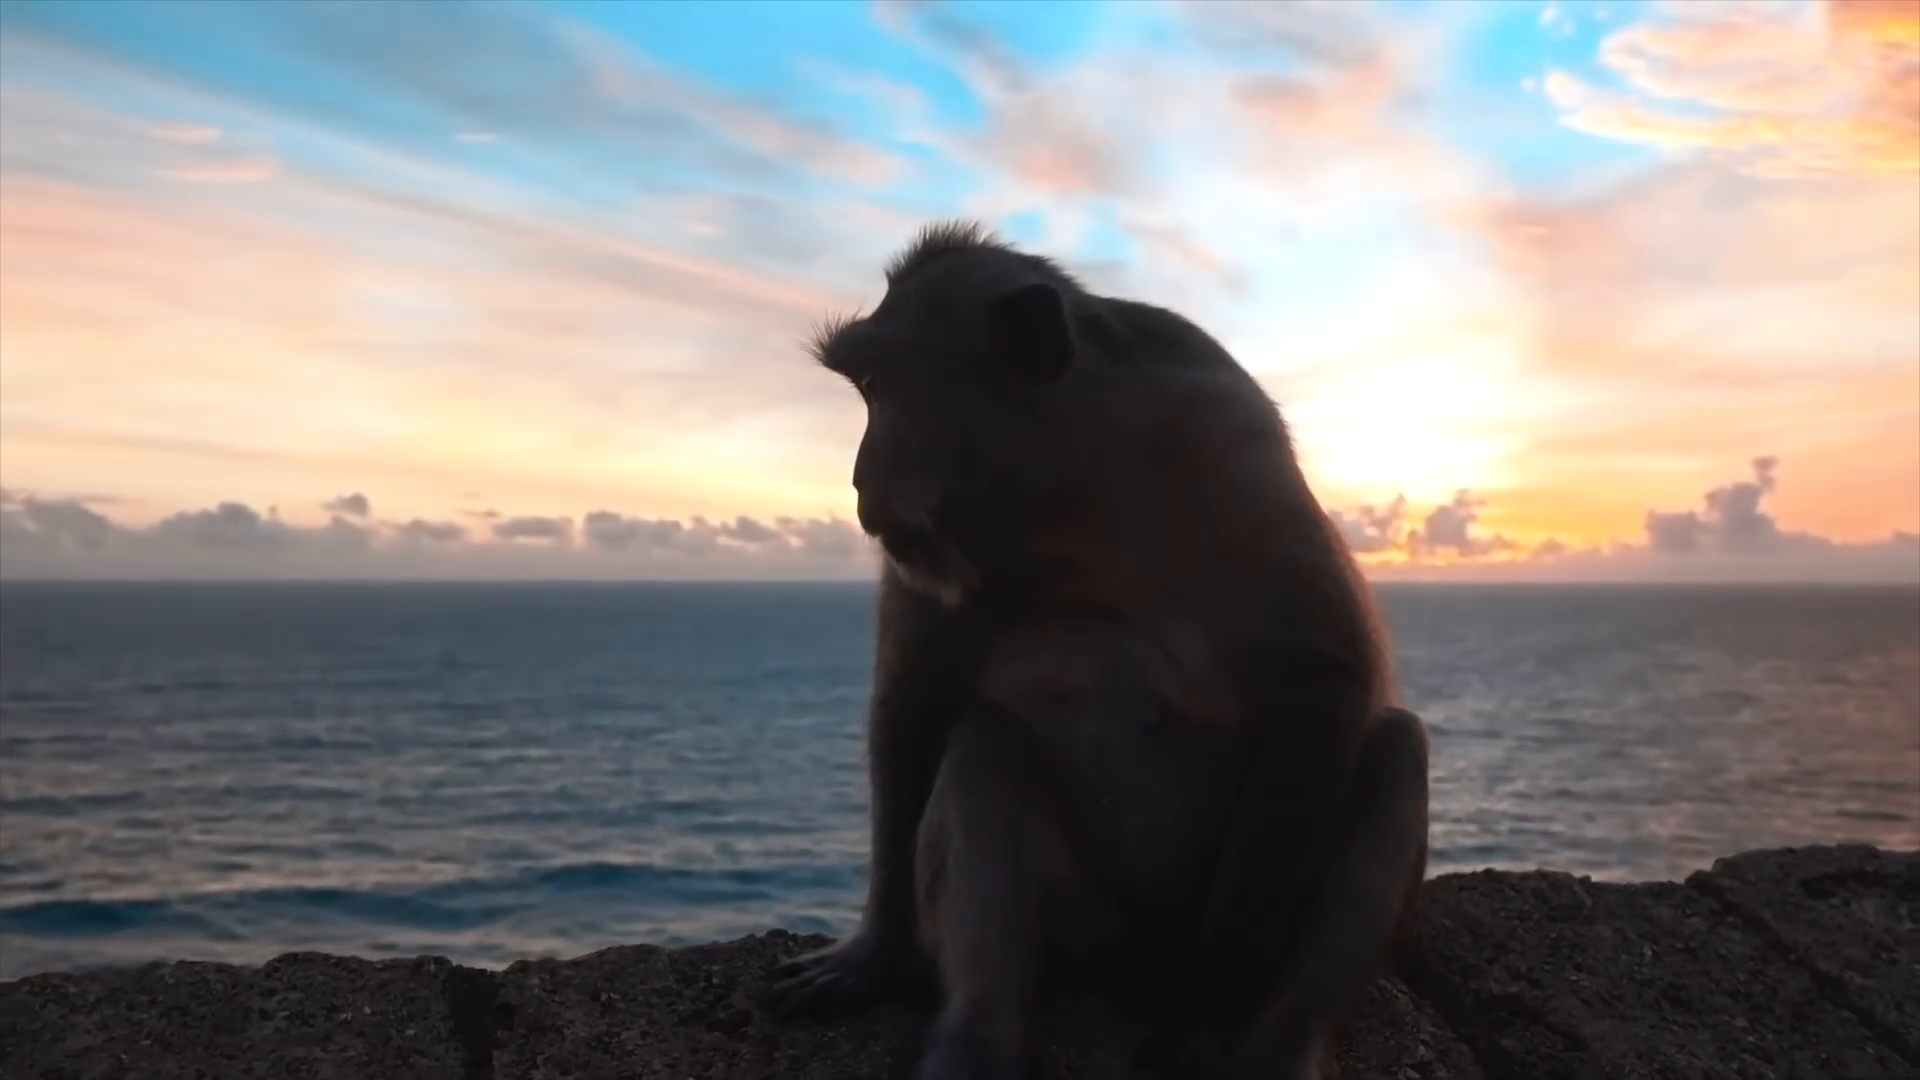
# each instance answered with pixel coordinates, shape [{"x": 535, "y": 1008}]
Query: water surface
[{"x": 493, "y": 772}]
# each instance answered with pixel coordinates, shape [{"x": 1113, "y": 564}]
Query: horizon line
[{"x": 1395, "y": 582}]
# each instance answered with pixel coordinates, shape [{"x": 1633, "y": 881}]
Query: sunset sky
[{"x": 1547, "y": 291}]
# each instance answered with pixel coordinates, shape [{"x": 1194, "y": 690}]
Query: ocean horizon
[{"x": 493, "y": 771}]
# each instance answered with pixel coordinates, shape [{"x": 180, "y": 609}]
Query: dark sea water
[{"x": 493, "y": 772}]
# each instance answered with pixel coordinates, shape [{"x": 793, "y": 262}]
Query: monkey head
[{"x": 968, "y": 368}]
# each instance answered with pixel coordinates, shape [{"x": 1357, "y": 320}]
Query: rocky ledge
[{"x": 1791, "y": 963}]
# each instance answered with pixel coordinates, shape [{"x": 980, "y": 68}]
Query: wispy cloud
[
  {"x": 571, "y": 262},
  {"x": 185, "y": 134},
  {"x": 1785, "y": 90},
  {"x": 241, "y": 171}
]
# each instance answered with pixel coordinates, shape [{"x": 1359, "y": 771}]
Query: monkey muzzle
[
  {"x": 909, "y": 540},
  {"x": 897, "y": 509},
  {"x": 907, "y": 527}
]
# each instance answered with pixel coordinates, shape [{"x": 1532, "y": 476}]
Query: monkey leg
[
  {"x": 991, "y": 873},
  {"x": 1341, "y": 946}
]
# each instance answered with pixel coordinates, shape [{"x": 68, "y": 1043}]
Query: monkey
[{"x": 1133, "y": 708}]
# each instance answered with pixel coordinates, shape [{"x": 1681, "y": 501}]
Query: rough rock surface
[
  {"x": 1850, "y": 915},
  {"x": 1781, "y": 964}
]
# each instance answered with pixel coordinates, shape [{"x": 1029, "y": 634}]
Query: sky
[{"x": 1546, "y": 291}]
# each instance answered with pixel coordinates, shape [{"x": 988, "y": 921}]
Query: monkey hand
[{"x": 852, "y": 973}]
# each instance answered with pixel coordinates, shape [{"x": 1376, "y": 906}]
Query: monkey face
[{"x": 964, "y": 378}]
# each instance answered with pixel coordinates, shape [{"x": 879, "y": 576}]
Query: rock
[
  {"x": 302, "y": 1016},
  {"x": 1396, "y": 1035},
  {"x": 646, "y": 1012},
  {"x": 1547, "y": 975},
  {"x": 1779, "y": 964},
  {"x": 1850, "y": 915}
]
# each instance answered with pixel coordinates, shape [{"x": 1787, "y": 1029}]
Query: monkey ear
[{"x": 1030, "y": 332}]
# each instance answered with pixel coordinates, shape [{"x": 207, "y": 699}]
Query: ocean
[{"x": 493, "y": 772}]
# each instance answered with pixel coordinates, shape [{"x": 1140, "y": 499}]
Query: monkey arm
[
  {"x": 923, "y": 661},
  {"x": 922, "y": 669}
]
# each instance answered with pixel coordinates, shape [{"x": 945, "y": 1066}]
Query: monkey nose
[
  {"x": 909, "y": 507},
  {"x": 864, "y": 511}
]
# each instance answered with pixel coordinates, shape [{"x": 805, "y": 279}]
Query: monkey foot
[{"x": 848, "y": 975}]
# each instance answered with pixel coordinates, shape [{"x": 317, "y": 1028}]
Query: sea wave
[
  {"x": 456, "y": 905},
  {"x": 492, "y": 773}
]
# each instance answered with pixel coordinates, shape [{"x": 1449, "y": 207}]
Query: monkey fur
[{"x": 1132, "y": 706}]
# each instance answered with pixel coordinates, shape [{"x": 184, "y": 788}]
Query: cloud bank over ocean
[{"x": 1730, "y": 537}]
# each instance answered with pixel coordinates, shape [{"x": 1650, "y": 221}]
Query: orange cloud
[
  {"x": 1765, "y": 298},
  {"x": 1701, "y": 273},
  {"x": 1888, "y": 23},
  {"x": 1346, "y": 100},
  {"x": 222, "y": 172},
  {"x": 144, "y": 334},
  {"x": 1853, "y": 445},
  {"x": 1736, "y": 527},
  {"x": 185, "y": 134},
  {"x": 420, "y": 331},
  {"x": 1346, "y": 66},
  {"x": 1831, "y": 90}
]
